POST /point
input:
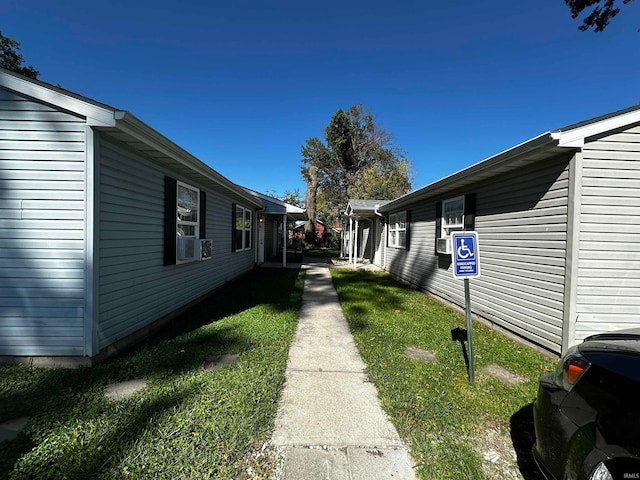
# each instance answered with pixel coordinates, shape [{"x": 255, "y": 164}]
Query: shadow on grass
[
  {"x": 124, "y": 429},
  {"x": 322, "y": 253},
  {"x": 363, "y": 291},
  {"x": 182, "y": 345},
  {"x": 523, "y": 437}
]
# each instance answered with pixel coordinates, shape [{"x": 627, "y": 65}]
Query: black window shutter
[
  {"x": 233, "y": 227},
  {"x": 407, "y": 229},
  {"x": 203, "y": 214},
  {"x": 170, "y": 220},
  {"x": 438, "y": 224},
  {"x": 470, "y": 212}
]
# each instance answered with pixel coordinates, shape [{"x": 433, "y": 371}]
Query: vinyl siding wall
[
  {"x": 135, "y": 289},
  {"x": 42, "y": 229},
  {"x": 608, "y": 290},
  {"x": 521, "y": 221}
]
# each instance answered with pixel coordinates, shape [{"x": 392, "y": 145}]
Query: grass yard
[
  {"x": 454, "y": 430},
  {"x": 189, "y": 422}
]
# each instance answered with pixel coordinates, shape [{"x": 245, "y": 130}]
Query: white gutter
[{"x": 575, "y": 137}]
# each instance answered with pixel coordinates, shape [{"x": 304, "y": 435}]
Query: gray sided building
[
  {"x": 106, "y": 226},
  {"x": 558, "y": 218}
]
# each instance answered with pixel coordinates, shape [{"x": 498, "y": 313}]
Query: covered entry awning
[
  {"x": 356, "y": 211},
  {"x": 281, "y": 211}
]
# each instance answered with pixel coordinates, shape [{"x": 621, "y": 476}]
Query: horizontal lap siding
[
  {"x": 135, "y": 289},
  {"x": 608, "y": 293},
  {"x": 521, "y": 222},
  {"x": 42, "y": 238},
  {"x": 270, "y": 236}
]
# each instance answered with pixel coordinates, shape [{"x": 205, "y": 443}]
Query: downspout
[
  {"x": 382, "y": 238},
  {"x": 91, "y": 329},
  {"x": 257, "y": 240},
  {"x": 571, "y": 270}
]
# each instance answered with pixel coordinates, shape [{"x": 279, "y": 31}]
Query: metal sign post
[
  {"x": 467, "y": 303},
  {"x": 465, "y": 254}
]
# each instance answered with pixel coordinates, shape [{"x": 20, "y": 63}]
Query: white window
[
  {"x": 398, "y": 230},
  {"x": 188, "y": 222},
  {"x": 452, "y": 216},
  {"x": 243, "y": 228}
]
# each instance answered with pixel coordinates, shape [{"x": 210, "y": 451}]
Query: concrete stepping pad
[
  {"x": 215, "y": 362},
  {"x": 124, "y": 390},
  {"x": 10, "y": 429},
  {"x": 420, "y": 354},
  {"x": 502, "y": 374}
]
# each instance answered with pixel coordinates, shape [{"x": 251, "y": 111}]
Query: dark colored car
[{"x": 587, "y": 413}]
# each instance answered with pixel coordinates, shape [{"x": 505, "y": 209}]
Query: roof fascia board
[
  {"x": 96, "y": 115},
  {"x": 129, "y": 124},
  {"x": 576, "y": 137},
  {"x": 349, "y": 210},
  {"x": 466, "y": 175},
  {"x": 293, "y": 209},
  {"x": 289, "y": 208}
]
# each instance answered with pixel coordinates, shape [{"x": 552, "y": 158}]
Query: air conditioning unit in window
[
  {"x": 206, "y": 249},
  {"x": 187, "y": 248},
  {"x": 443, "y": 245}
]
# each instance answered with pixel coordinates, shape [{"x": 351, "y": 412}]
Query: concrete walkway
[{"x": 330, "y": 424}]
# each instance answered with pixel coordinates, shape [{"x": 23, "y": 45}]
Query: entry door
[{"x": 276, "y": 241}]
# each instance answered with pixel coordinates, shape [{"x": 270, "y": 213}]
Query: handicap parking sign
[{"x": 465, "y": 254}]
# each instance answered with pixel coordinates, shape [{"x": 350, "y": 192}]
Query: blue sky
[{"x": 243, "y": 84}]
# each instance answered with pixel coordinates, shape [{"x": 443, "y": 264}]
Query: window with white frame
[
  {"x": 398, "y": 230},
  {"x": 187, "y": 207},
  {"x": 452, "y": 216},
  {"x": 187, "y": 223},
  {"x": 243, "y": 233}
]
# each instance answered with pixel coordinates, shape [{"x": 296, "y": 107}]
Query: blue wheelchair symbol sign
[{"x": 466, "y": 261}]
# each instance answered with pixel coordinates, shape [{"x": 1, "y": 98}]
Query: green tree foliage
[
  {"x": 599, "y": 17},
  {"x": 12, "y": 60},
  {"x": 356, "y": 160},
  {"x": 292, "y": 197}
]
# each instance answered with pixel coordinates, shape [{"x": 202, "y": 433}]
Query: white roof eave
[
  {"x": 576, "y": 137},
  {"x": 97, "y": 115}
]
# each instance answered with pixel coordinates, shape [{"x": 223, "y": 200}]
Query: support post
[
  {"x": 350, "y": 239},
  {"x": 284, "y": 240},
  {"x": 467, "y": 303},
  {"x": 355, "y": 246}
]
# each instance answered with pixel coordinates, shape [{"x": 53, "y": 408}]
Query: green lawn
[
  {"x": 188, "y": 423},
  {"x": 448, "y": 424},
  {"x": 192, "y": 423}
]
